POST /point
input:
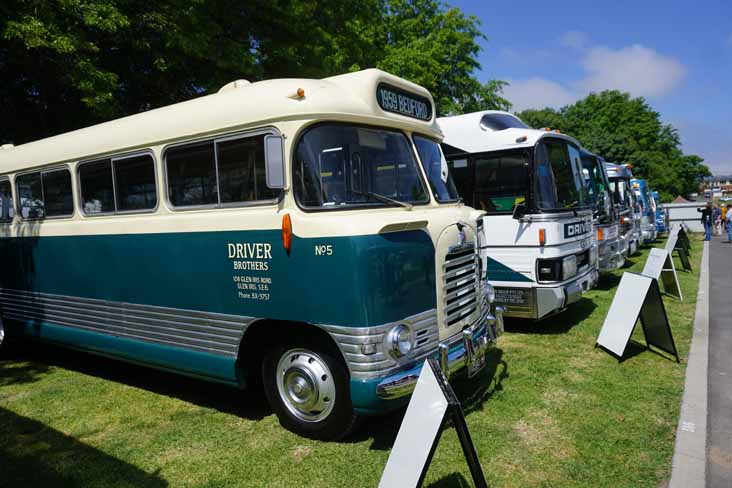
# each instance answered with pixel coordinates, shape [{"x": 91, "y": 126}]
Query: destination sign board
[{"x": 398, "y": 101}]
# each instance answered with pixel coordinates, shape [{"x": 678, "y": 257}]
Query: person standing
[
  {"x": 729, "y": 223},
  {"x": 717, "y": 219},
  {"x": 706, "y": 219}
]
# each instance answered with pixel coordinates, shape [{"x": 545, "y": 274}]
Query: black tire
[{"x": 340, "y": 419}]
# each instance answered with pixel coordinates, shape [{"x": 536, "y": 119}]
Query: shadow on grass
[
  {"x": 554, "y": 324},
  {"x": 41, "y": 357},
  {"x": 454, "y": 480},
  {"x": 472, "y": 392},
  {"x": 15, "y": 370},
  {"x": 32, "y": 454},
  {"x": 608, "y": 282},
  {"x": 633, "y": 349}
]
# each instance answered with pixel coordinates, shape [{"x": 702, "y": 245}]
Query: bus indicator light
[
  {"x": 286, "y": 233},
  {"x": 600, "y": 234},
  {"x": 542, "y": 237}
]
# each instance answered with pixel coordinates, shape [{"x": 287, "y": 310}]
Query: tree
[
  {"x": 72, "y": 63},
  {"x": 624, "y": 130}
]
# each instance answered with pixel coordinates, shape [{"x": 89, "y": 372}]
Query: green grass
[{"x": 549, "y": 410}]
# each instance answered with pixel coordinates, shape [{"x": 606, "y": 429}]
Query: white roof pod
[
  {"x": 491, "y": 130},
  {"x": 240, "y": 105}
]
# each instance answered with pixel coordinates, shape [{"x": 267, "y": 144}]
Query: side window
[
  {"x": 57, "y": 194},
  {"x": 45, "y": 194},
  {"x": 6, "y": 202},
  {"x": 118, "y": 185},
  {"x": 30, "y": 196},
  {"x": 191, "y": 173},
  {"x": 241, "y": 170},
  {"x": 218, "y": 172},
  {"x": 134, "y": 182},
  {"x": 97, "y": 189}
]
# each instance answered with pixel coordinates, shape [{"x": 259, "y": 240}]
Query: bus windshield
[
  {"x": 596, "y": 184},
  {"x": 435, "y": 165},
  {"x": 494, "y": 182},
  {"x": 622, "y": 195},
  {"x": 338, "y": 165},
  {"x": 559, "y": 183}
]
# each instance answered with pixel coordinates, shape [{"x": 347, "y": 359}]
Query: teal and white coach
[{"x": 304, "y": 234}]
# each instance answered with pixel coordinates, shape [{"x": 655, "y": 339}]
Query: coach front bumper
[{"x": 459, "y": 352}]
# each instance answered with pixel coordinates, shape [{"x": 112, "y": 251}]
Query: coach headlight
[
  {"x": 569, "y": 266},
  {"x": 400, "y": 339}
]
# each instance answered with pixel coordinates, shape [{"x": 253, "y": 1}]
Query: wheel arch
[{"x": 263, "y": 334}]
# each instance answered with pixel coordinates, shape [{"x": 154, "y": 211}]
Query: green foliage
[
  {"x": 623, "y": 130},
  {"x": 70, "y": 63}
]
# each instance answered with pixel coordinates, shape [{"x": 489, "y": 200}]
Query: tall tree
[
  {"x": 623, "y": 130},
  {"x": 65, "y": 64}
]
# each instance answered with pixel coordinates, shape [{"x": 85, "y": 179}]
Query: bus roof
[
  {"x": 471, "y": 134},
  {"x": 238, "y": 105}
]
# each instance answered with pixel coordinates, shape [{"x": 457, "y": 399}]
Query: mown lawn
[{"x": 550, "y": 410}]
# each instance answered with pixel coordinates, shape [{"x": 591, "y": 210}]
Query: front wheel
[{"x": 309, "y": 391}]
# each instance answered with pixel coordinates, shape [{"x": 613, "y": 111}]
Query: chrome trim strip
[
  {"x": 209, "y": 332},
  {"x": 362, "y": 366}
]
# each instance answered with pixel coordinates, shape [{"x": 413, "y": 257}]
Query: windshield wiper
[{"x": 383, "y": 198}]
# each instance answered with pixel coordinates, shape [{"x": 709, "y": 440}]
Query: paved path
[
  {"x": 719, "y": 424},
  {"x": 689, "y": 463}
]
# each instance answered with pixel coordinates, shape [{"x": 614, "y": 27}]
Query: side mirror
[
  {"x": 274, "y": 161},
  {"x": 519, "y": 211}
]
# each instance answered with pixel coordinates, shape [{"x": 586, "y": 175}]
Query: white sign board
[
  {"x": 637, "y": 297},
  {"x": 660, "y": 266},
  {"x": 421, "y": 425}
]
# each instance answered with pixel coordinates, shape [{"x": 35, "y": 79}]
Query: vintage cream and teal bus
[
  {"x": 537, "y": 241},
  {"x": 300, "y": 233}
]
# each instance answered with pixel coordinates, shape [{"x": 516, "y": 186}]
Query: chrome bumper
[
  {"x": 573, "y": 291},
  {"x": 456, "y": 353}
]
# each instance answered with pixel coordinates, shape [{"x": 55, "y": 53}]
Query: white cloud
[
  {"x": 637, "y": 69},
  {"x": 537, "y": 93},
  {"x": 574, "y": 39}
]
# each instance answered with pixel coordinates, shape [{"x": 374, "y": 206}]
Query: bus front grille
[{"x": 460, "y": 284}]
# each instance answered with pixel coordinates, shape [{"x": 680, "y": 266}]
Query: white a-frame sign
[
  {"x": 678, "y": 241},
  {"x": 433, "y": 403},
  {"x": 660, "y": 266},
  {"x": 638, "y": 297}
]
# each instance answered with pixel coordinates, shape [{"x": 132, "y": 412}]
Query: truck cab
[
  {"x": 611, "y": 247},
  {"x": 537, "y": 242}
]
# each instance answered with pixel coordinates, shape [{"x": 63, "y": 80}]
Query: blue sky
[{"x": 678, "y": 55}]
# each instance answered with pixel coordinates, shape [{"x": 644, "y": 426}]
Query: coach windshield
[
  {"x": 339, "y": 166},
  {"x": 559, "y": 183}
]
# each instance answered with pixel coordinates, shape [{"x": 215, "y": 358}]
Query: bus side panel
[
  {"x": 193, "y": 277},
  {"x": 194, "y": 363}
]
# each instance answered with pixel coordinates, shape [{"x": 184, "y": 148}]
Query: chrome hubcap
[{"x": 305, "y": 385}]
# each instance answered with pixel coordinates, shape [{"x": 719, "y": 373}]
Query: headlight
[
  {"x": 401, "y": 340},
  {"x": 489, "y": 292},
  {"x": 569, "y": 267}
]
